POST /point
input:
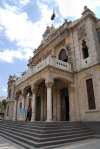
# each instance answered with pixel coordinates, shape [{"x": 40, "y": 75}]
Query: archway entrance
[
  {"x": 38, "y": 111},
  {"x": 64, "y": 104}
]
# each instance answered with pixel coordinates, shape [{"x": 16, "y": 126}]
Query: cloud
[
  {"x": 0, "y": 77},
  {"x": 19, "y": 28},
  {"x": 8, "y": 55},
  {"x": 4, "y": 90},
  {"x": 75, "y": 7},
  {"x": 11, "y": 8},
  {"x": 1, "y": 28},
  {"x": 22, "y": 30},
  {"x": 24, "y": 2}
]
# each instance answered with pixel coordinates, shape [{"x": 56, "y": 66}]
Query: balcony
[
  {"x": 49, "y": 61},
  {"x": 86, "y": 62}
]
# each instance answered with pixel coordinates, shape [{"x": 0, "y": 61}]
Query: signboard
[{"x": 22, "y": 114}]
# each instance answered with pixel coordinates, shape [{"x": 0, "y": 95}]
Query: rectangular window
[{"x": 90, "y": 93}]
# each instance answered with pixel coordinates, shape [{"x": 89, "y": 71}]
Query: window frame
[{"x": 91, "y": 105}]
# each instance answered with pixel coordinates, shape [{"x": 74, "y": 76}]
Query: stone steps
[
  {"x": 44, "y": 134},
  {"x": 32, "y": 128}
]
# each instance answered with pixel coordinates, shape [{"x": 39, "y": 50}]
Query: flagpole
[
  {"x": 54, "y": 19},
  {"x": 54, "y": 22}
]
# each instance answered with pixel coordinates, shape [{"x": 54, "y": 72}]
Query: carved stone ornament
[
  {"x": 81, "y": 31},
  {"x": 69, "y": 56},
  {"x": 69, "y": 53}
]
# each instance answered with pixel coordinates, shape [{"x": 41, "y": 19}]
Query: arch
[
  {"x": 39, "y": 81},
  {"x": 65, "y": 78},
  {"x": 27, "y": 90},
  {"x": 63, "y": 56},
  {"x": 26, "y": 87},
  {"x": 18, "y": 93}
]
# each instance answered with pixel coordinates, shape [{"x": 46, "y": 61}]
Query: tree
[
  {"x": 1, "y": 106},
  {"x": 4, "y": 103}
]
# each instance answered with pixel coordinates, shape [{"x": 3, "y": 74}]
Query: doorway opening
[
  {"x": 64, "y": 105},
  {"x": 38, "y": 111}
]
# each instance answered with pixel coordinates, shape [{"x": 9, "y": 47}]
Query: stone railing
[
  {"x": 40, "y": 66},
  {"x": 49, "y": 61},
  {"x": 86, "y": 62},
  {"x": 62, "y": 65}
]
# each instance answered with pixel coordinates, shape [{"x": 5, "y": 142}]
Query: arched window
[
  {"x": 63, "y": 56},
  {"x": 84, "y": 49}
]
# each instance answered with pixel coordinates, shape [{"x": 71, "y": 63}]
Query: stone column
[
  {"x": 23, "y": 102},
  {"x": 33, "y": 118},
  {"x": 49, "y": 101},
  {"x": 23, "y": 98},
  {"x": 15, "y": 110}
]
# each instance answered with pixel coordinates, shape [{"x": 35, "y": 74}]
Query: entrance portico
[{"x": 43, "y": 91}]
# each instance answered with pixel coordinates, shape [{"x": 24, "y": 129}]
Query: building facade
[{"x": 62, "y": 82}]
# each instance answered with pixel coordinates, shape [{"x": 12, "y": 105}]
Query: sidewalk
[
  {"x": 6, "y": 144},
  {"x": 93, "y": 143}
]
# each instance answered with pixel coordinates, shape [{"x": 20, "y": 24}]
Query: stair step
[
  {"x": 31, "y": 144},
  {"x": 42, "y": 134},
  {"x": 38, "y": 134},
  {"x": 47, "y": 138}
]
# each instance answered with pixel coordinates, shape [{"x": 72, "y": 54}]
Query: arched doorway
[
  {"x": 63, "y": 56},
  {"x": 64, "y": 104},
  {"x": 38, "y": 111}
]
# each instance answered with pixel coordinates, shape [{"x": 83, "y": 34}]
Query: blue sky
[{"x": 22, "y": 23}]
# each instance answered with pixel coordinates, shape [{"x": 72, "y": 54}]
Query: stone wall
[{"x": 81, "y": 99}]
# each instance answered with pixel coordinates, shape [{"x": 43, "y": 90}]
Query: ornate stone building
[{"x": 62, "y": 82}]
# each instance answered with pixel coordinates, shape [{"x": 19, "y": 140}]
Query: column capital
[
  {"x": 23, "y": 93},
  {"x": 49, "y": 84},
  {"x": 71, "y": 87},
  {"x": 34, "y": 90}
]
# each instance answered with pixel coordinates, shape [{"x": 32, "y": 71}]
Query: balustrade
[
  {"x": 86, "y": 62},
  {"x": 48, "y": 61}
]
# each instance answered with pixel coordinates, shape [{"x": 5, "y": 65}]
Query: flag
[{"x": 53, "y": 15}]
